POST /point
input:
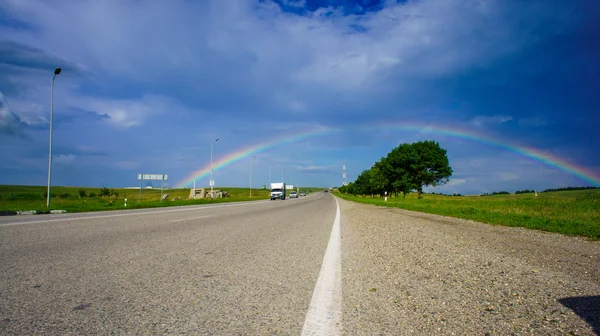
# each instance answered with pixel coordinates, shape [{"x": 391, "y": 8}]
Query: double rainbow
[{"x": 579, "y": 171}]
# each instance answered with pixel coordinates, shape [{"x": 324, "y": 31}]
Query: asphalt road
[
  {"x": 226, "y": 269},
  {"x": 308, "y": 266}
]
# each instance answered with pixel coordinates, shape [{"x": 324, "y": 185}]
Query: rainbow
[
  {"x": 247, "y": 151},
  {"x": 528, "y": 152}
]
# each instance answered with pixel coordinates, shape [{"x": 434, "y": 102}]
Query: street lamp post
[
  {"x": 56, "y": 72},
  {"x": 252, "y": 159},
  {"x": 212, "y": 182}
]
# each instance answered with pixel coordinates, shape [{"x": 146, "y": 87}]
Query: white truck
[{"x": 278, "y": 191}]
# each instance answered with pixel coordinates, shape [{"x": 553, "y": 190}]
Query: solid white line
[
  {"x": 324, "y": 312},
  {"x": 187, "y": 219},
  {"x": 132, "y": 214}
]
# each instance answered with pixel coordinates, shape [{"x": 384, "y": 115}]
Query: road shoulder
[{"x": 406, "y": 273}]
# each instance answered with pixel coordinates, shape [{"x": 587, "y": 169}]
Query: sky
[{"x": 294, "y": 88}]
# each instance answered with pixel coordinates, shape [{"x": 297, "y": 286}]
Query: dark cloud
[{"x": 16, "y": 55}]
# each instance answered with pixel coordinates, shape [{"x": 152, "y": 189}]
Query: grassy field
[
  {"x": 567, "y": 212},
  {"x": 25, "y": 198}
]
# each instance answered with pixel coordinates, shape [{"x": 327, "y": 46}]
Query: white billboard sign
[{"x": 163, "y": 177}]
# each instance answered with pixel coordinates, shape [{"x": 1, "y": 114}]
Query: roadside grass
[
  {"x": 25, "y": 198},
  {"x": 567, "y": 212}
]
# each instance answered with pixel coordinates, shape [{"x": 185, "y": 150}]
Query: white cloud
[
  {"x": 31, "y": 112},
  {"x": 126, "y": 113},
  {"x": 327, "y": 168},
  {"x": 484, "y": 121},
  {"x": 295, "y": 3},
  {"x": 10, "y": 123},
  {"x": 454, "y": 182}
]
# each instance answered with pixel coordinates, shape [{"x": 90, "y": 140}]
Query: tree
[
  {"x": 82, "y": 193},
  {"x": 378, "y": 181},
  {"x": 429, "y": 166},
  {"x": 396, "y": 167},
  {"x": 407, "y": 167},
  {"x": 361, "y": 185}
]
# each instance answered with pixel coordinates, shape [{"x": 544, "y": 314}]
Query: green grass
[
  {"x": 566, "y": 212},
  {"x": 25, "y": 198}
]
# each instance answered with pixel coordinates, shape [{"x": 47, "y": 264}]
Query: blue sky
[{"x": 147, "y": 85}]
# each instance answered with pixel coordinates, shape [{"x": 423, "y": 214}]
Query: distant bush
[
  {"x": 114, "y": 193},
  {"x": 52, "y": 195},
  {"x": 92, "y": 195},
  {"x": 526, "y": 191},
  {"x": 496, "y": 193},
  {"x": 65, "y": 195},
  {"x": 82, "y": 193},
  {"x": 104, "y": 192},
  {"x": 442, "y": 194}
]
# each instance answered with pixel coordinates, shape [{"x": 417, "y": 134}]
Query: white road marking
[
  {"x": 131, "y": 214},
  {"x": 325, "y": 310},
  {"x": 188, "y": 219}
]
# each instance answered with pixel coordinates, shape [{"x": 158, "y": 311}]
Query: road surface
[{"x": 289, "y": 268}]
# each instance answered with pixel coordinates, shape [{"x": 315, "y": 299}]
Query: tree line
[
  {"x": 408, "y": 167},
  {"x": 496, "y": 193},
  {"x": 571, "y": 188}
]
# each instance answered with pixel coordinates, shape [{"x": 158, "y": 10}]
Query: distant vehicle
[
  {"x": 293, "y": 194},
  {"x": 278, "y": 191},
  {"x": 325, "y": 190},
  {"x": 303, "y": 193}
]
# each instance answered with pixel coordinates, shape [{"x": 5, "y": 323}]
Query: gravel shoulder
[{"x": 406, "y": 272}]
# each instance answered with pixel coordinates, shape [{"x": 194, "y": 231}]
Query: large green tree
[
  {"x": 407, "y": 167},
  {"x": 429, "y": 165},
  {"x": 396, "y": 167},
  {"x": 378, "y": 179}
]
